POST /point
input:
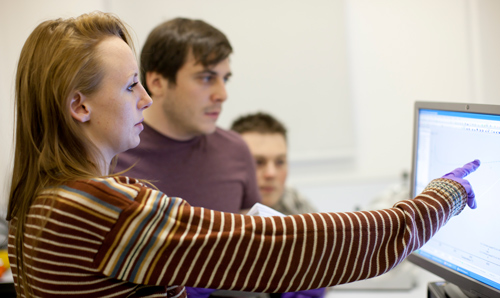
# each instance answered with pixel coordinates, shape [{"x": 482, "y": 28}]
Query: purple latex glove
[
  {"x": 198, "y": 292},
  {"x": 459, "y": 173},
  {"x": 316, "y": 293}
]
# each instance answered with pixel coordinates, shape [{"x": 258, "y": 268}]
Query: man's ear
[
  {"x": 78, "y": 108},
  {"x": 156, "y": 83}
]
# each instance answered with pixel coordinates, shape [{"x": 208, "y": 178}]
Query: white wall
[
  {"x": 402, "y": 51},
  {"x": 485, "y": 23},
  {"x": 342, "y": 74}
]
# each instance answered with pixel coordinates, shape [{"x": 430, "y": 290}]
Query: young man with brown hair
[{"x": 185, "y": 67}]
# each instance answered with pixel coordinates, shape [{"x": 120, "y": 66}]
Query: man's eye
[
  {"x": 260, "y": 162},
  {"x": 280, "y": 162},
  {"x": 207, "y": 79}
]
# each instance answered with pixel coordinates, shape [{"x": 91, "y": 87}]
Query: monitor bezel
[{"x": 467, "y": 284}]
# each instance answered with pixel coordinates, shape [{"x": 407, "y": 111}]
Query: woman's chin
[{"x": 134, "y": 144}]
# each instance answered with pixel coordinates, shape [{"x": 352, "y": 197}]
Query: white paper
[{"x": 263, "y": 210}]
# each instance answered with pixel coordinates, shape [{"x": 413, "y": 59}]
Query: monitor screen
[{"x": 466, "y": 251}]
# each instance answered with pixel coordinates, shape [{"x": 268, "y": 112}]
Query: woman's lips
[{"x": 139, "y": 124}]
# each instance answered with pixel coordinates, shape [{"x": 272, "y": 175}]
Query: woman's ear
[{"x": 79, "y": 111}]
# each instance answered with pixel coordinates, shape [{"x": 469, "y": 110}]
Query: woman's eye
[{"x": 131, "y": 87}]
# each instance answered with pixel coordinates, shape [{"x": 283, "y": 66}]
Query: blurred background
[{"x": 343, "y": 75}]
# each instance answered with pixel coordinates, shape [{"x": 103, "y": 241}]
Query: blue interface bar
[
  {"x": 460, "y": 269},
  {"x": 461, "y": 114}
]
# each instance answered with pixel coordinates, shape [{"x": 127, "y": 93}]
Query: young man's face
[
  {"x": 193, "y": 103},
  {"x": 270, "y": 154}
]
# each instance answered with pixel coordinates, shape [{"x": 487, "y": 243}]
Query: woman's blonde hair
[{"x": 58, "y": 58}]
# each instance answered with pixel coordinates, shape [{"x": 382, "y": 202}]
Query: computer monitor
[{"x": 466, "y": 251}]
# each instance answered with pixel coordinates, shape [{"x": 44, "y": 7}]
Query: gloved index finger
[{"x": 471, "y": 167}]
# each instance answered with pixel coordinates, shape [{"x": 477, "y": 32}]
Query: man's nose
[
  {"x": 219, "y": 93},
  {"x": 270, "y": 170}
]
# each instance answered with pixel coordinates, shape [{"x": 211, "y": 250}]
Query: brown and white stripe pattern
[{"x": 114, "y": 237}]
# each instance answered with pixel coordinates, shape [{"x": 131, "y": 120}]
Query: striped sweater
[{"x": 115, "y": 237}]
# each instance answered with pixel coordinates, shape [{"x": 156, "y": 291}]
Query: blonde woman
[{"x": 77, "y": 231}]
